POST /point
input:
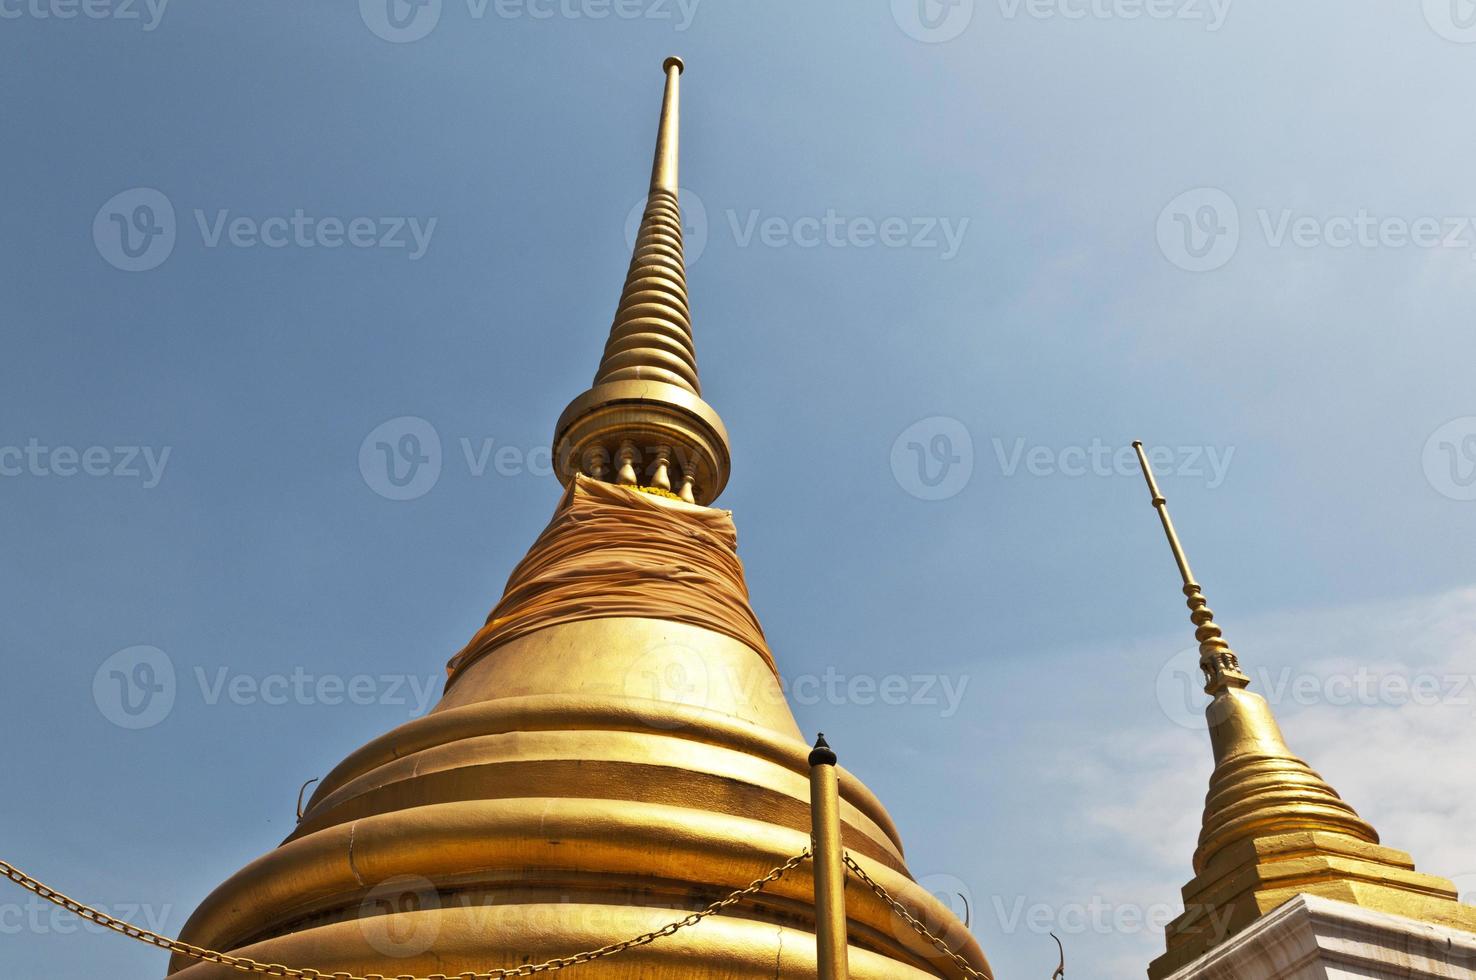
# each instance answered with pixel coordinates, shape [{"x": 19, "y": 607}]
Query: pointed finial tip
[
  {"x": 823, "y": 754},
  {"x": 674, "y": 62},
  {"x": 1137, "y": 443}
]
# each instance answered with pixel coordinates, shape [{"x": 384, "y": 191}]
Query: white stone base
[{"x": 1311, "y": 938}]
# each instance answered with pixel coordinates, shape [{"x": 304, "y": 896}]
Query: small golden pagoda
[
  {"x": 1273, "y": 829},
  {"x": 613, "y": 749}
]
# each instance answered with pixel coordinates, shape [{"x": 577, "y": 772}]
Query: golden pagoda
[
  {"x": 1273, "y": 829},
  {"x": 613, "y": 749}
]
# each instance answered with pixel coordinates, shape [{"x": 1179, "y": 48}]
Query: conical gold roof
[
  {"x": 613, "y": 750},
  {"x": 1272, "y": 827}
]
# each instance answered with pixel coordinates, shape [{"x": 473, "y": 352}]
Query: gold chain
[
  {"x": 246, "y": 965},
  {"x": 912, "y": 921}
]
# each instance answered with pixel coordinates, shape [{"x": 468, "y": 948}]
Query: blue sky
[{"x": 1015, "y": 235}]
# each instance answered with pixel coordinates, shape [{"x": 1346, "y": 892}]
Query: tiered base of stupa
[{"x": 496, "y": 833}]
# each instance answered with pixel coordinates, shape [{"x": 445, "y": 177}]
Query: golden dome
[{"x": 613, "y": 749}]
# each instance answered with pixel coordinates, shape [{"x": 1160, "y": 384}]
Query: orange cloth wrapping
[{"x": 614, "y": 551}]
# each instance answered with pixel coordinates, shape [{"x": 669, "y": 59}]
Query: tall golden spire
[
  {"x": 1272, "y": 827},
  {"x": 643, "y": 422},
  {"x": 651, "y": 337},
  {"x": 613, "y": 751},
  {"x": 1258, "y": 786},
  {"x": 1216, "y": 659}
]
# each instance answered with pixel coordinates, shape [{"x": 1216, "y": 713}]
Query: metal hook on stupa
[
  {"x": 300, "y": 792},
  {"x": 1060, "y": 973}
]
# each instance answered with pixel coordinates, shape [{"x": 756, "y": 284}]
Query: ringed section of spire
[
  {"x": 643, "y": 422},
  {"x": 651, "y": 338}
]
